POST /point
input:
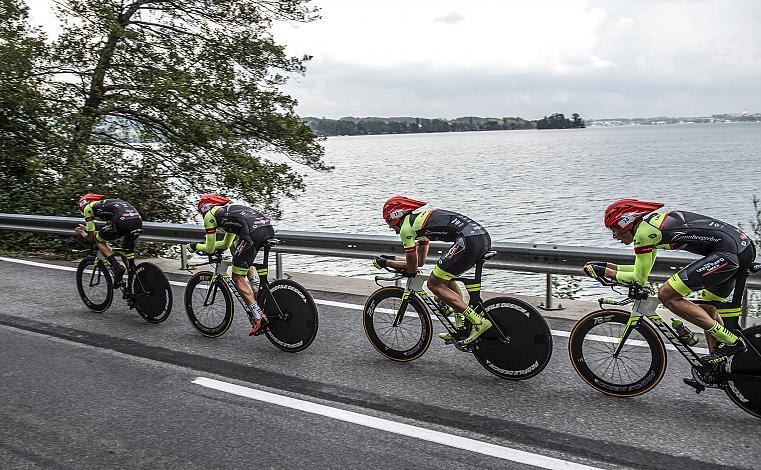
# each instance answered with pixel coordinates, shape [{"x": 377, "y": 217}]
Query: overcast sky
[{"x": 450, "y": 58}]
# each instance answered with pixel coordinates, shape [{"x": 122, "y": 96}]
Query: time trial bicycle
[
  {"x": 620, "y": 353},
  {"x": 289, "y": 307},
  {"x": 397, "y": 322},
  {"x": 146, "y": 288}
]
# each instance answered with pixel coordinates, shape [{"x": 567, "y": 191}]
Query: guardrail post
[
  {"x": 548, "y": 303},
  {"x": 744, "y": 314},
  {"x": 183, "y": 257},
  {"x": 278, "y": 265}
]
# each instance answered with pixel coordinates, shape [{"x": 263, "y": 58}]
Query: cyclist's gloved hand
[
  {"x": 191, "y": 247},
  {"x": 595, "y": 269},
  {"x": 380, "y": 262}
]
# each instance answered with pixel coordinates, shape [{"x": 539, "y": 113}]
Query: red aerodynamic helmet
[
  {"x": 622, "y": 214},
  {"x": 87, "y": 199},
  {"x": 208, "y": 201},
  {"x": 398, "y": 205}
]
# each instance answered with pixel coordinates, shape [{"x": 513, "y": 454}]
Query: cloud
[{"x": 450, "y": 18}]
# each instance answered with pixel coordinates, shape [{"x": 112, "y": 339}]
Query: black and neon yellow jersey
[
  {"x": 108, "y": 209},
  {"x": 678, "y": 230},
  {"x": 234, "y": 220},
  {"x": 437, "y": 224}
]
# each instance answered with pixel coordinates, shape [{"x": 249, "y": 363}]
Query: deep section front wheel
[
  {"x": 209, "y": 304},
  {"x": 518, "y": 345},
  {"x": 94, "y": 284},
  {"x": 410, "y": 337},
  {"x": 292, "y": 315},
  {"x": 744, "y": 386},
  {"x": 639, "y": 365},
  {"x": 151, "y": 293}
]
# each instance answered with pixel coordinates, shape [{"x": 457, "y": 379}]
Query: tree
[
  {"x": 24, "y": 131},
  {"x": 196, "y": 83}
]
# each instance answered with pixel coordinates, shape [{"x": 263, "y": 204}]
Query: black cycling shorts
[
  {"x": 118, "y": 228},
  {"x": 715, "y": 273},
  {"x": 462, "y": 255},
  {"x": 245, "y": 251}
]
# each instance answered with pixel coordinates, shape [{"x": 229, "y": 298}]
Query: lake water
[{"x": 528, "y": 186}]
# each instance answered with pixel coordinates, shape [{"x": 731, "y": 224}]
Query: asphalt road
[{"x": 67, "y": 400}]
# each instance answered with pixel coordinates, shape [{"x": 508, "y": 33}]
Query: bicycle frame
[
  {"x": 221, "y": 269},
  {"x": 414, "y": 288},
  {"x": 646, "y": 308}
]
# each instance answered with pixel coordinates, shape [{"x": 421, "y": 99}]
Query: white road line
[
  {"x": 403, "y": 429},
  {"x": 332, "y": 303}
]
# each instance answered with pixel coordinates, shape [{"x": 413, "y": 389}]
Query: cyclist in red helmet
[
  {"x": 123, "y": 220},
  {"x": 251, "y": 228},
  {"x": 726, "y": 252},
  {"x": 470, "y": 243}
]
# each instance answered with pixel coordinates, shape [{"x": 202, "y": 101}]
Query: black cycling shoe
[
  {"x": 119, "y": 271},
  {"x": 722, "y": 351}
]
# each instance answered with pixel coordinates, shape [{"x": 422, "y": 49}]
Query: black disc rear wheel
[
  {"x": 746, "y": 391},
  {"x": 152, "y": 293},
  {"x": 94, "y": 284},
  {"x": 292, "y": 315},
  {"x": 519, "y": 344}
]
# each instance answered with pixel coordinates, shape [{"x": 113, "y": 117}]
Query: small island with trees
[{"x": 415, "y": 125}]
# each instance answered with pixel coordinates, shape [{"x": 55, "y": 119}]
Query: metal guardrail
[{"x": 523, "y": 257}]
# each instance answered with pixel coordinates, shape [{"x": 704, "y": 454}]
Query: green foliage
[
  {"x": 412, "y": 125},
  {"x": 566, "y": 287},
  {"x": 152, "y": 102},
  {"x": 559, "y": 121},
  {"x": 190, "y": 89}
]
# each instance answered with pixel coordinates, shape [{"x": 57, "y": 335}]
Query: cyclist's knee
[
  {"x": 435, "y": 283},
  {"x": 668, "y": 296}
]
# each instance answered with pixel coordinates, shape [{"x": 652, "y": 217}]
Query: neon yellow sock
[{"x": 722, "y": 334}]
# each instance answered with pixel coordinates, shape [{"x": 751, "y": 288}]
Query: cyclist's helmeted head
[
  {"x": 396, "y": 207},
  {"x": 208, "y": 201},
  {"x": 87, "y": 199},
  {"x": 622, "y": 214}
]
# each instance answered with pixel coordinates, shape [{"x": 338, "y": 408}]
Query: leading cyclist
[
  {"x": 251, "y": 228},
  {"x": 726, "y": 252},
  {"x": 123, "y": 220},
  {"x": 416, "y": 229}
]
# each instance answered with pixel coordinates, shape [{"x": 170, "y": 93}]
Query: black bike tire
[
  {"x": 746, "y": 395},
  {"x": 162, "y": 284},
  {"x": 655, "y": 371},
  {"x": 530, "y": 347},
  {"x": 227, "y": 319},
  {"x": 394, "y": 354},
  {"x": 299, "y": 330},
  {"x": 88, "y": 262}
]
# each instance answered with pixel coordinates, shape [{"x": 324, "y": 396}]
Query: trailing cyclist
[
  {"x": 123, "y": 220},
  {"x": 470, "y": 243},
  {"x": 251, "y": 228},
  {"x": 726, "y": 252}
]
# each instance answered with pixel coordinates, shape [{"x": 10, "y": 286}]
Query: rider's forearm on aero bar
[
  {"x": 225, "y": 242},
  {"x": 643, "y": 264}
]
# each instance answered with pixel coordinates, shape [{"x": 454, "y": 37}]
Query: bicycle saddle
[
  {"x": 489, "y": 255},
  {"x": 271, "y": 242}
]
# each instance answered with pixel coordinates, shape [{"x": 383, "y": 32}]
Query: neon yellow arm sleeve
[
  {"x": 225, "y": 242},
  {"x": 643, "y": 264},
  {"x": 210, "y": 227},
  {"x": 89, "y": 218}
]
